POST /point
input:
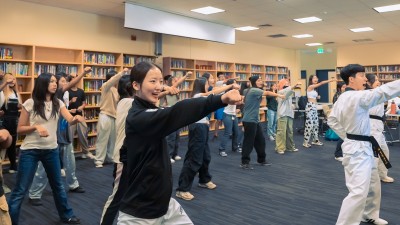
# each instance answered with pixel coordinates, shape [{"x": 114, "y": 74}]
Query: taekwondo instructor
[{"x": 349, "y": 118}]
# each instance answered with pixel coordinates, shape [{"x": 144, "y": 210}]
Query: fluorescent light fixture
[
  {"x": 313, "y": 44},
  {"x": 308, "y": 19},
  {"x": 362, "y": 29},
  {"x": 208, "y": 10},
  {"x": 302, "y": 36},
  {"x": 388, "y": 8},
  {"x": 247, "y": 28}
]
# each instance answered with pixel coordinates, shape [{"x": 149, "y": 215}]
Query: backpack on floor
[{"x": 330, "y": 135}]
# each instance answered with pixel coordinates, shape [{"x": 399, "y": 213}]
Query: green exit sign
[{"x": 320, "y": 51}]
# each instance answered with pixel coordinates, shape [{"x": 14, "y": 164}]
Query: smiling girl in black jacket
[{"x": 148, "y": 196}]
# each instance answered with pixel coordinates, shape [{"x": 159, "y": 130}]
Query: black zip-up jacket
[{"x": 149, "y": 166}]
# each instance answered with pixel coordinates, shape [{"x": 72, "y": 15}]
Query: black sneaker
[
  {"x": 265, "y": 163},
  {"x": 246, "y": 166},
  {"x": 72, "y": 220},
  {"x": 79, "y": 189},
  {"x": 35, "y": 201}
]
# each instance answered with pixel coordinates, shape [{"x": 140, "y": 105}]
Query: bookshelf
[
  {"x": 385, "y": 73},
  {"x": 242, "y": 71},
  {"x": 26, "y": 62}
]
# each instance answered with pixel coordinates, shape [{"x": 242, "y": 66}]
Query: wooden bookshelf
[
  {"x": 26, "y": 62},
  {"x": 241, "y": 71},
  {"x": 385, "y": 73}
]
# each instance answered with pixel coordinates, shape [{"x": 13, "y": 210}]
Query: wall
[
  {"x": 369, "y": 54},
  {"x": 311, "y": 61},
  {"x": 33, "y": 24}
]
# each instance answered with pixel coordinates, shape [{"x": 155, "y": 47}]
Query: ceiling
[{"x": 338, "y": 17}]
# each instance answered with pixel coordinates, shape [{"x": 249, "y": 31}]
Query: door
[{"x": 323, "y": 90}]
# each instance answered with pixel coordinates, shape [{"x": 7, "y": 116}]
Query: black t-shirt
[{"x": 80, "y": 99}]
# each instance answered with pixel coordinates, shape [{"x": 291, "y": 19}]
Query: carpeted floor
[{"x": 300, "y": 188}]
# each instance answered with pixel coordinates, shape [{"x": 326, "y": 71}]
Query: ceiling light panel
[
  {"x": 302, "y": 36},
  {"x": 388, "y": 8},
  {"x": 313, "y": 44},
  {"x": 362, "y": 29},
  {"x": 247, "y": 28},
  {"x": 208, "y": 10},
  {"x": 308, "y": 19}
]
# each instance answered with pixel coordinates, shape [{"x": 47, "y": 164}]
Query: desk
[{"x": 395, "y": 118}]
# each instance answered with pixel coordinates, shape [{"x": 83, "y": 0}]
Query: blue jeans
[
  {"x": 40, "y": 180},
  {"x": 272, "y": 119},
  {"x": 173, "y": 143},
  {"x": 231, "y": 127},
  {"x": 28, "y": 163}
]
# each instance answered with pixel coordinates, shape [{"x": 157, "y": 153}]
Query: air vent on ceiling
[
  {"x": 265, "y": 25},
  {"x": 277, "y": 35},
  {"x": 329, "y": 43},
  {"x": 363, "y": 40}
]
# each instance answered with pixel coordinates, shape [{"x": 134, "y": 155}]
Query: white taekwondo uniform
[{"x": 350, "y": 114}]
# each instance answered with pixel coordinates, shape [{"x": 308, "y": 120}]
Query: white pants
[
  {"x": 382, "y": 170},
  {"x": 362, "y": 181},
  {"x": 105, "y": 142},
  {"x": 175, "y": 216}
]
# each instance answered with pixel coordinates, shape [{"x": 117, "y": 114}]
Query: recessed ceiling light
[
  {"x": 313, "y": 44},
  {"x": 207, "y": 10},
  {"x": 302, "y": 36},
  {"x": 308, "y": 19},
  {"x": 388, "y": 8},
  {"x": 247, "y": 28},
  {"x": 362, "y": 29}
]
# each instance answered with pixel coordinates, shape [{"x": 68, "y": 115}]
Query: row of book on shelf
[
  {"x": 6, "y": 53},
  {"x": 133, "y": 60},
  {"x": 92, "y": 85},
  {"x": 99, "y": 58},
  {"x": 17, "y": 69}
]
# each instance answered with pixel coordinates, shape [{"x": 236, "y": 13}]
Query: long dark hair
[
  {"x": 310, "y": 79},
  {"x": 199, "y": 86},
  {"x": 371, "y": 80},
  {"x": 40, "y": 90},
  {"x": 125, "y": 89},
  {"x": 339, "y": 86}
]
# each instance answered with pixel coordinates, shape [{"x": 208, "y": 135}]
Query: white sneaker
[
  {"x": 271, "y": 138},
  {"x": 378, "y": 221},
  {"x": 387, "y": 180},
  {"x": 340, "y": 159},
  {"x": 172, "y": 161},
  {"x": 223, "y": 154},
  {"x": 98, "y": 165},
  {"x": 176, "y": 158},
  {"x": 89, "y": 155},
  {"x": 62, "y": 172},
  {"x": 317, "y": 143},
  {"x": 185, "y": 195}
]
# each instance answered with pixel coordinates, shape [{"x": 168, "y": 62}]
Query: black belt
[
  {"x": 377, "y": 118},
  {"x": 375, "y": 147}
]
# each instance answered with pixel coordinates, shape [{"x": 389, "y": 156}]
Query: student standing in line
[
  {"x": 285, "y": 114},
  {"x": 219, "y": 113},
  {"x": 198, "y": 156},
  {"x": 106, "y": 125},
  {"x": 349, "y": 118},
  {"x": 38, "y": 121},
  {"x": 272, "y": 118},
  {"x": 5, "y": 142},
  {"x": 169, "y": 100},
  {"x": 253, "y": 132},
  {"x": 110, "y": 210},
  {"x": 76, "y": 106},
  {"x": 231, "y": 127},
  {"x": 312, "y": 124},
  {"x": 148, "y": 196},
  {"x": 111, "y": 207},
  {"x": 340, "y": 88},
  {"x": 65, "y": 147},
  {"x": 10, "y": 103},
  {"x": 376, "y": 115}
]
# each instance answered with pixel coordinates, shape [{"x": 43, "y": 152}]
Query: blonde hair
[{"x": 9, "y": 90}]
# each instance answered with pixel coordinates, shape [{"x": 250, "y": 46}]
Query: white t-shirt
[
  {"x": 33, "y": 140},
  {"x": 122, "y": 111},
  {"x": 205, "y": 119}
]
